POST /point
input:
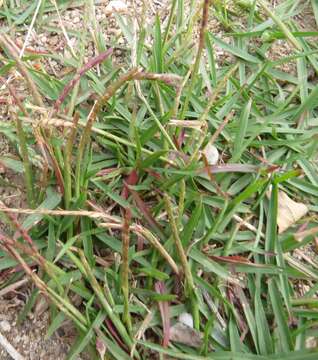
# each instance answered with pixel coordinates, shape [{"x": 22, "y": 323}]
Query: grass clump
[{"x": 128, "y": 226}]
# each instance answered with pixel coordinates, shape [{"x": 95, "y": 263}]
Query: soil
[{"x": 29, "y": 338}]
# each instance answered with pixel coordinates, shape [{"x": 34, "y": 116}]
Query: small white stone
[
  {"x": 311, "y": 342},
  {"x": 211, "y": 153},
  {"x": 116, "y": 6},
  {"x": 76, "y": 20},
  {"x": 5, "y": 326},
  {"x": 186, "y": 319}
]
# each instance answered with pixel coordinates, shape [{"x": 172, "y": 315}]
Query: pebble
[
  {"x": 186, "y": 319},
  {"x": 211, "y": 153},
  {"x": 311, "y": 342},
  {"x": 116, "y": 6},
  {"x": 54, "y": 40},
  {"x": 5, "y": 326}
]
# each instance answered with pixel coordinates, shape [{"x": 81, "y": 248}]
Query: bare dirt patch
[{"x": 29, "y": 338}]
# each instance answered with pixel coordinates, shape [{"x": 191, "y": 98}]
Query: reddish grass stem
[
  {"x": 133, "y": 74},
  {"x": 90, "y": 64}
]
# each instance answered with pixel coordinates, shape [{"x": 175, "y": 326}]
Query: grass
[{"x": 125, "y": 215}]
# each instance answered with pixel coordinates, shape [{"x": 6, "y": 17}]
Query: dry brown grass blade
[
  {"x": 15, "y": 98},
  {"x": 303, "y": 234},
  {"x": 7, "y": 43},
  {"x": 10, "y": 349},
  {"x": 115, "y": 223},
  {"x": 21, "y": 230},
  {"x": 13, "y": 287},
  {"x": 164, "y": 312},
  {"x": 145, "y": 233},
  {"x": 90, "y": 214},
  {"x": 221, "y": 127},
  {"x": 10, "y": 246}
]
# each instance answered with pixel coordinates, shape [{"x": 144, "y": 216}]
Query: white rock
[
  {"x": 186, "y": 319},
  {"x": 5, "y": 326},
  {"x": 311, "y": 342},
  {"x": 116, "y": 6},
  {"x": 211, "y": 153}
]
